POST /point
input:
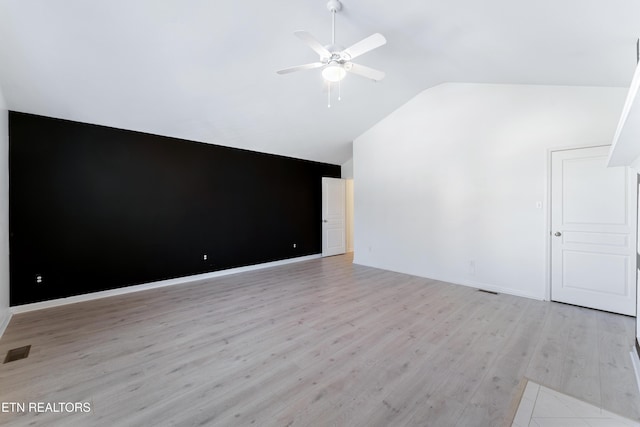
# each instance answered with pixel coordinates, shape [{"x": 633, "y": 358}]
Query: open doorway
[
  {"x": 349, "y": 214},
  {"x": 337, "y": 216}
]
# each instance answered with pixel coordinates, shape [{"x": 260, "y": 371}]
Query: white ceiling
[{"x": 205, "y": 70}]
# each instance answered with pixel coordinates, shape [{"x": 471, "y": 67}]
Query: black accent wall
[{"x": 95, "y": 208}]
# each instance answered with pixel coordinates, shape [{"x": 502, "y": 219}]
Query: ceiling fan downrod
[{"x": 334, "y": 7}]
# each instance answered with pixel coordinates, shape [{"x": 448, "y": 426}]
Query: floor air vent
[
  {"x": 487, "y": 292},
  {"x": 17, "y": 354}
]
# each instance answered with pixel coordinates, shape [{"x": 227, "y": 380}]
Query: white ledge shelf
[{"x": 625, "y": 149}]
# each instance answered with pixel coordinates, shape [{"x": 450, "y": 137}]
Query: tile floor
[{"x": 543, "y": 407}]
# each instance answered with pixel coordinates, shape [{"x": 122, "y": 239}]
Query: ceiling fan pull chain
[
  {"x": 329, "y": 96},
  {"x": 339, "y": 91}
]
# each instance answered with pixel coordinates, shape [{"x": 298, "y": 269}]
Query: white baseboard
[
  {"x": 464, "y": 282},
  {"x": 494, "y": 288},
  {"x": 5, "y": 318},
  {"x": 152, "y": 285},
  {"x": 635, "y": 361}
]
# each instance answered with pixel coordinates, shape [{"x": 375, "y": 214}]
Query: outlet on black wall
[{"x": 94, "y": 208}]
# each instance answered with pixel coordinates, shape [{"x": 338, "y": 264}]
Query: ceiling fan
[{"x": 335, "y": 61}]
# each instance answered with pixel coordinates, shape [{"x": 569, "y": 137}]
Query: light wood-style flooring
[{"x": 316, "y": 343}]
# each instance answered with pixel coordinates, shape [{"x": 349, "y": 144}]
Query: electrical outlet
[
  {"x": 38, "y": 278},
  {"x": 294, "y": 245},
  {"x": 204, "y": 257}
]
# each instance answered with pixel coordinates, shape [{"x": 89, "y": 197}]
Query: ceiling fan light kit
[
  {"x": 336, "y": 61},
  {"x": 333, "y": 73}
]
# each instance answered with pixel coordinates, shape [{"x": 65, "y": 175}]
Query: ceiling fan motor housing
[{"x": 337, "y": 54}]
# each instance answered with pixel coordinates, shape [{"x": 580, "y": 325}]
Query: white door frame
[{"x": 548, "y": 230}]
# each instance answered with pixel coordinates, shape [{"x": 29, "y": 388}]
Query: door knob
[
  {"x": 557, "y": 234},
  {"x": 324, "y": 220}
]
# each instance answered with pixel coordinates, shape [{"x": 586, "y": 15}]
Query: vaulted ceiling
[{"x": 205, "y": 70}]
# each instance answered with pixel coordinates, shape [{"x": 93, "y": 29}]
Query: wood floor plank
[
  {"x": 616, "y": 369},
  {"x": 321, "y": 342},
  {"x": 581, "y": 370}
]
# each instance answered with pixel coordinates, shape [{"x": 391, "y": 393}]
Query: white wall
[
  {"x": 447, "y": 185},
  {"x": 638, "y": 277},
  {"x": 347, "y": 169},
  {"x": 4, "y": 215}
]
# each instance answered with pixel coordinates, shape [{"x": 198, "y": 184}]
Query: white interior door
[
  {"x": 333, "y": 216},
  {"x": 593, "y": 231}
]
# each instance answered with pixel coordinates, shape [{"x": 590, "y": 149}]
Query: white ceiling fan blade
[
  {"x": 300, "y": 68},
  {"x": 365, "y": 45},
  {"x": 313, "y": 43},
  {"x": 370, "y": 73}
]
